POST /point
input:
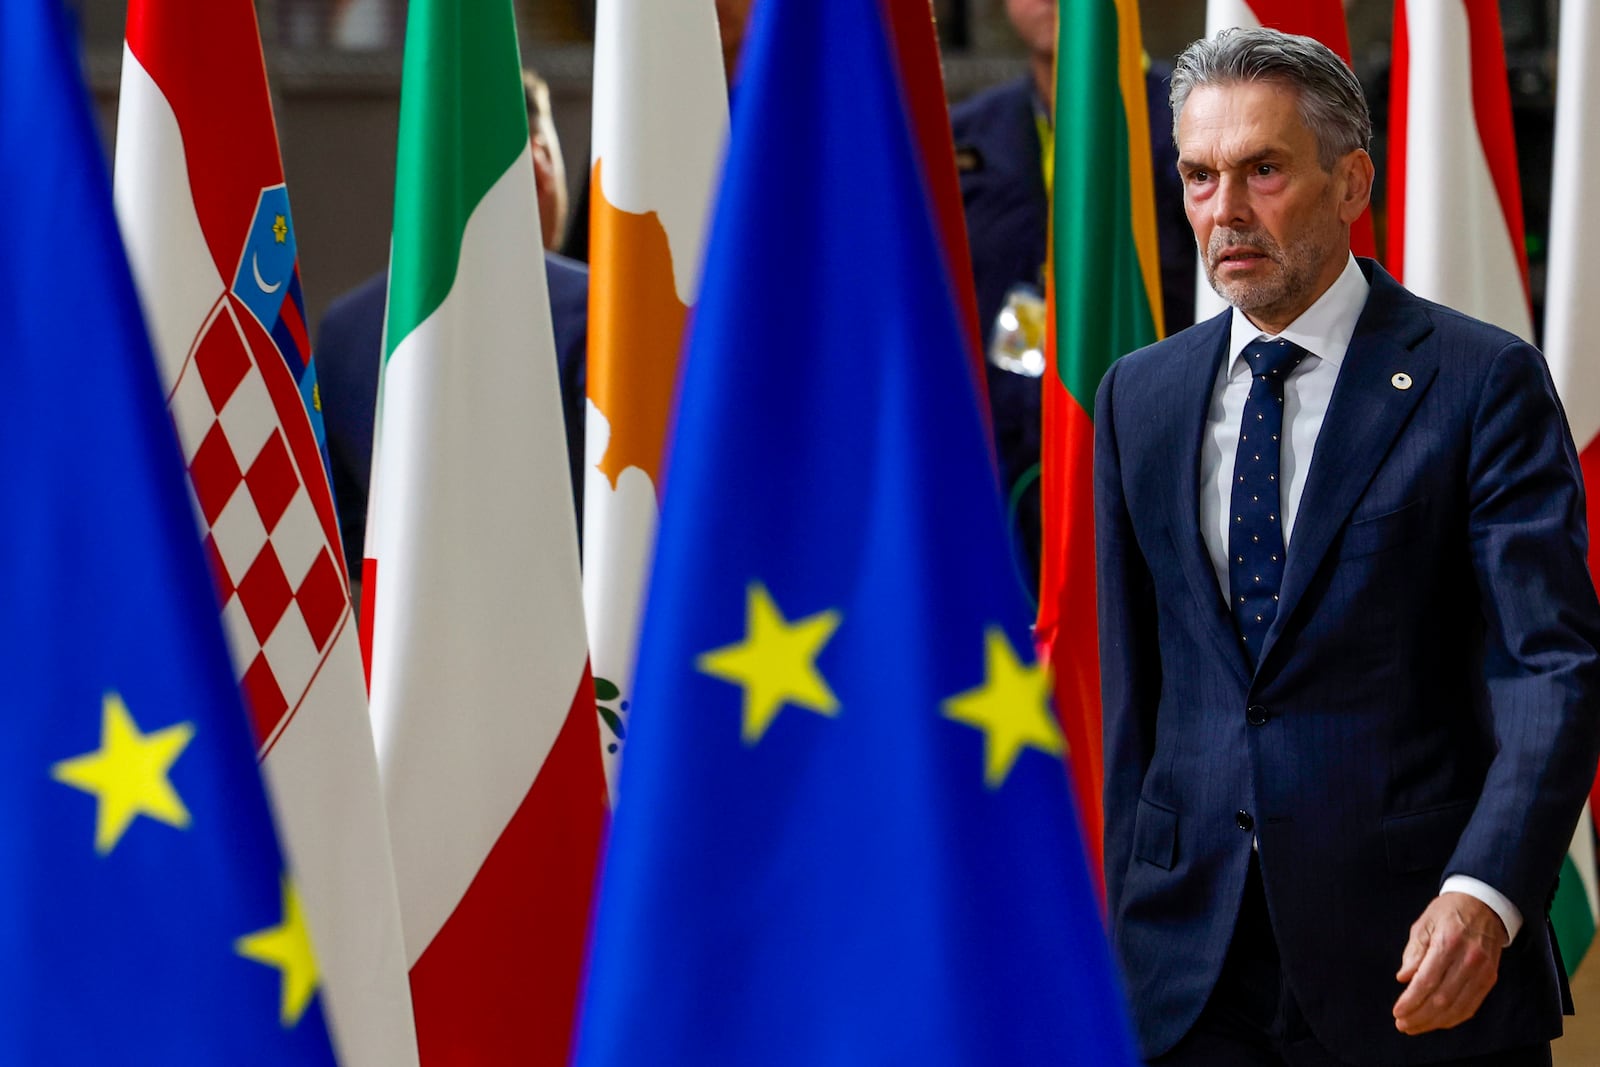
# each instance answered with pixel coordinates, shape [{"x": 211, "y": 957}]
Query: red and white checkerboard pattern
[{"x": 282, "y": 596}]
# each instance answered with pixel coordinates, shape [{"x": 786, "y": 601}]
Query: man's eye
[
  {"x": 1265, "y": 170},
  {"x": 1197, "y": 176}
]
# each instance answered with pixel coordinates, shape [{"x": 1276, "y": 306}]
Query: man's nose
[{"x": 1230, "y": 206}]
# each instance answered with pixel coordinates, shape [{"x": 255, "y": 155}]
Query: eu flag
[
  {"x": 844, "y": 832},
  {"x": 145, "y": 915}
]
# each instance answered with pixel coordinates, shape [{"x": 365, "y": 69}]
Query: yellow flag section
[{"x": 660, "y": 123}]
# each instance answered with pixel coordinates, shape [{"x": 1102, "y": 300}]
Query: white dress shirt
[{"x": 1324, "y": 330}]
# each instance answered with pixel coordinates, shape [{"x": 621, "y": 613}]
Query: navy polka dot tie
[{"x": 1255, "y": 527}]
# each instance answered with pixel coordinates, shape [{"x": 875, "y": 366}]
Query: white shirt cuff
[{"x": 1497, "y": 901}]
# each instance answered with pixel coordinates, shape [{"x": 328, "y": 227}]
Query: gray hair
[{"x": 1330, "y": 100}]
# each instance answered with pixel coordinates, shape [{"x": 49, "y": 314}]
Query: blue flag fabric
[
  {"x": 144, "y": 912},
  {"x": 844, "y": 832}
]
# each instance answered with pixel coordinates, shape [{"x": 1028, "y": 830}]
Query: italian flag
[
  {"x": 1321, "y": 20},
  {"x": 205, "y": 216},
  {"x": 1103, "y": 288},
  {"x": 482, "y": 704},
  {"x": 660, "y": 124},
  {"x": 1572, "y": 322}
]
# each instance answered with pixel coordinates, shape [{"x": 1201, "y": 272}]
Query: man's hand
[{"x": 1449, "y": 965}]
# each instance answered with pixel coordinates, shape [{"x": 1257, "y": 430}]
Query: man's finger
[
  {"x": 1464, "y": 971},
  {"x": 1427, "y": 976},
  {"x": 1411, "y": 958}
]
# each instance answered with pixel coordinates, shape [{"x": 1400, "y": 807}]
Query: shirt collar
[{"x": 1324, "y": 329}]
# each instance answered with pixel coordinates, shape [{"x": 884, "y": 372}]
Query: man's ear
[{"x": 1353, "y": 179}]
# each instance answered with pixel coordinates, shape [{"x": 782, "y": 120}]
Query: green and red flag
[
  {"x": 482, "y": 703},
  {"x": 1103, "y": 288}
]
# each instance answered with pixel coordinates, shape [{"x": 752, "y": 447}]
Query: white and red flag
[
  {"x": 1455, "y": 202},
  {"x": 1321, "y": 20},
  {"x": 482, "y": 705},
  {"x": 205, "y": 215},
  {"x": 1571, "y": 324}
]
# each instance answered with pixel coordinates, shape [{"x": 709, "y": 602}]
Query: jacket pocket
[
  {"x": 1155, "y": 834},
  {"x": 1424, "y": 840},
  {"x": 1366, "y": 536}
]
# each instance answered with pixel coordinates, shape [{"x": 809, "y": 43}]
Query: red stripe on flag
[
  {"x": 1399, "y": 119},
  {"x": 289, "y": 311},
  {"x": 206, "y": 60},
  {"x": 499, "y": 982},
  {"x": 1491, "y": 106},
  {"x": 369, "y": 595},
  {"x": 1068, "y": 632},
  {"x": 916, "y": 45},
  {"x": 1589, "y": 460},
  {"x": 1322, "y": 20}
]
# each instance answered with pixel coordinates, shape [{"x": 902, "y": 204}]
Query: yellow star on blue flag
[
  {"x": 1011, "y": 707},
  {"x": 127, "y": 774},
  {"x": 884, "y": 857},
  {"x": 776, "y": 663},
  {"x": 119, "y": 927}
]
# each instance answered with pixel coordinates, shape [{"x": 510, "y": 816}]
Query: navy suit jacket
[
  {"x": 347, "y": 355},
  {"x": 1425, "y": 702}
]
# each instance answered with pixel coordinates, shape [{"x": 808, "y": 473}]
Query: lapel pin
[{"x": 1401, "y": 381}]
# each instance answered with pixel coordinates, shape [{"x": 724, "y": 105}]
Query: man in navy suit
[
  {"x": 348, "y": 349},
  {"x": 1348, "y": 637}
]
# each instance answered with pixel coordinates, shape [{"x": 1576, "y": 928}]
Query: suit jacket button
[
  {"x": 1244, "y": 820},
  {"x": 1256, "y": 715}
]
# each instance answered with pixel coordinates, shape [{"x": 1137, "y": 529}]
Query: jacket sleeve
[
  {"x": 1130, "y": 662},
  {"x": 1528, "y": 547}
]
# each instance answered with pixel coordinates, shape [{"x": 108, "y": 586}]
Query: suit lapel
[
  {"x": 1366, "y": 414},
  {"x": 1198, "y": 377}
]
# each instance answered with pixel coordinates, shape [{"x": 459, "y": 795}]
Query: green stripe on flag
[
  {"x": 463, "y": 122},
  {"x": 1102, "y": 309},
  {"x": 1570, "y": 916}
]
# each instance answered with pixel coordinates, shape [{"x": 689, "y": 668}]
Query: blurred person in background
[
  {"x": 348, "y": 350},
  {"x": 1004, "y": 137}
]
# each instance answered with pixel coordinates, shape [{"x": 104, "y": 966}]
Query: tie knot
[{"x": 1273, "y": 359}]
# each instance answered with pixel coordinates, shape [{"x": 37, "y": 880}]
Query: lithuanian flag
[{"x": 1103, "y": 287}]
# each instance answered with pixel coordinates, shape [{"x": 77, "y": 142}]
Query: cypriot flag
[
  {"x": 206, "y": 219},
  {"x": 482, "y": 705},
  {"x": 660, "y": 123}
]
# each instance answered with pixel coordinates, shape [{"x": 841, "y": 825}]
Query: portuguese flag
[
  {"x": 1103, "y": 287},
  {"x": 482, "y": 702}
]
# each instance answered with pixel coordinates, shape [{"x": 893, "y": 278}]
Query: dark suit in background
[
  {"x": 1007, "y": 211},
  {"x": 348, "y": 352},
  {"x": 1425, "y": 700}
]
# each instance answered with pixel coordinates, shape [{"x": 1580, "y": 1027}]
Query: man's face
[
  {"x": 1273, "y": 227},
  {"x": 549, "y": 179},
  {"x": 1035, "y": 23}
]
